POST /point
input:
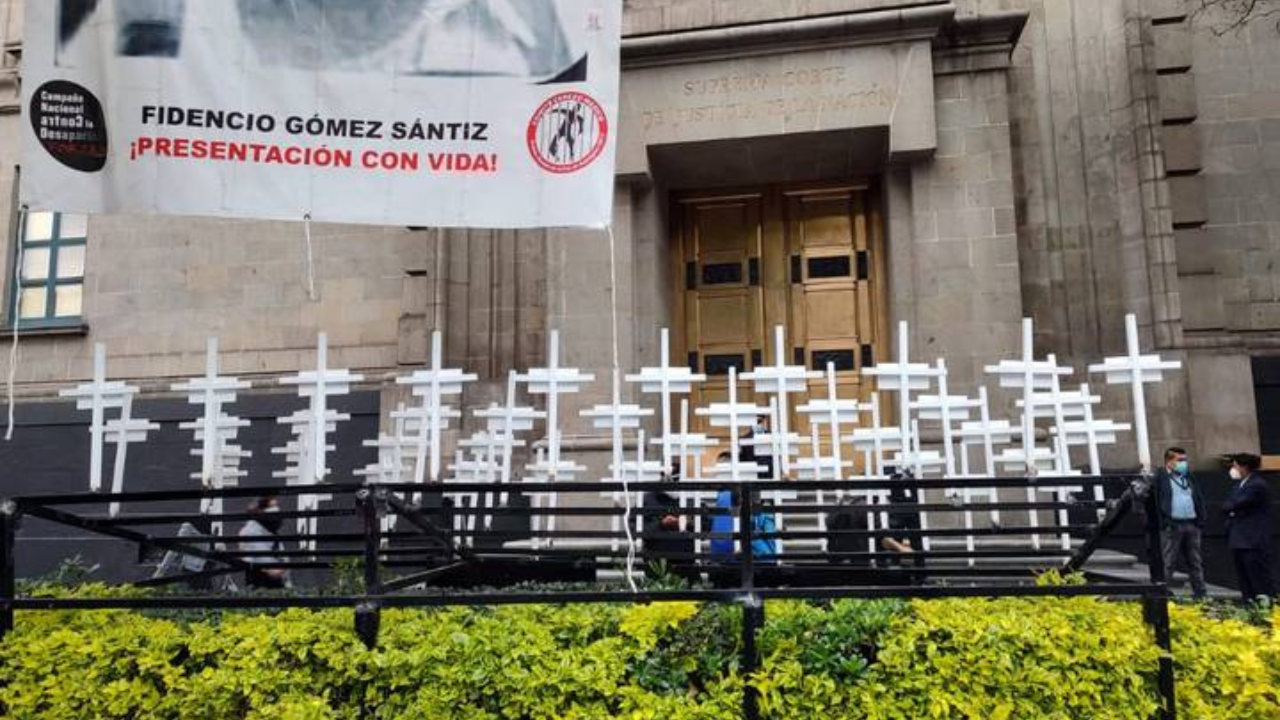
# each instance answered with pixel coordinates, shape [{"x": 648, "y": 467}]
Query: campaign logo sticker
[
  {"x": 568, "y": 133},
  {"x": 70, "y": 125}
]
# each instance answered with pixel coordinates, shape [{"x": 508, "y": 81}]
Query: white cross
[
  {"x": 553, "y": 381},
  {"x": 618, "y": 418},
  {"x": 98, "y": 397},
  {"x": 215, "y": 430},
  {"x": 781, "y": 380},
  {"x": 985, "y": 433},
  {"x": 947, "y": 410},
  {"x": 506, "y": 421},
  {"x": 122, "y": 431},
  {"x": 431, "y": 386},
  {"x": 473, "y": 470},
  {"x": 902, "y": 377},
  {"x": 733, "y": 415},
  {"x": 689, "y": 449},
  {"x": 1135, "y": 370},
  {"x": 319, "y": 385},
  {"x": 833, "y": 412},
  {"x": 666, "y": 380},
  {"x": 1091, "y": 433},
  {"x": 777, "y": 444},
  {"x": 918, "y": 460}
]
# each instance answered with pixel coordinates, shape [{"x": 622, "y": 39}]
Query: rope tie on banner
[
  {"x": 620, "y": 473},
  {"x": 311, "y": 264},
  {"x": 11, "y": 383}
]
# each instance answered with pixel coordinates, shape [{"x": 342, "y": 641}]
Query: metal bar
[
  {"x": 573, "y": 598},
  {"x": 368, "y": 615},
  {"x": 1155, "y": 558},
  {"x": 1114, "y": 517},
  {"x": 408, "y": 581},
  {"x": 752, "y": 620},
  {"x": 91, "y": 525},
  {"x": 745, "y": 523},
  {"x": 9, "y": 515},
  {"x": 1156, "y": 613},
  {"x": 175, "y": 519},
  {"x": 572, "y": 487},
  {"x": 185, "y": 577},
  {"x": 420, "y": 520}
]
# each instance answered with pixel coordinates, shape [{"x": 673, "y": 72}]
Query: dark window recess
[
  {"x": 797, "y": 356},
  {"x": 722, "y": 274},
  {"x": 691, "y": 276},
  {"x": 864, "y": 265},
  {"x": 757, "y": 358},
  {"x": 1266, "y": 393},
  {"x": 720, "y": 364},
  {"x": 797, "y": 270},
  {"x": 843, "y": 360},
  {"x": 753, "y": 271},
  {"x": 868, "y": 356},
  {"x": 836, "y": 266},
  {"x": 693, "y": 362}
]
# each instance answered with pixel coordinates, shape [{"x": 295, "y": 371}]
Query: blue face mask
[{"x": 1180, "y": 467}]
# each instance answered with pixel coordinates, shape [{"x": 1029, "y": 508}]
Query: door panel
[{"x": 807, "y": 258}]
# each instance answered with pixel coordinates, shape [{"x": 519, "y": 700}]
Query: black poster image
[{"x": 522, "y": 39}]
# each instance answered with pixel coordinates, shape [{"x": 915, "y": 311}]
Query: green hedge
[{"x": 971, "y": 659}]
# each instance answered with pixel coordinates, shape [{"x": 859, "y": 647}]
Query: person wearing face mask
[
  {"x": 259, "y": 536},
  {"x": 1181, "y": 509},
  {"x": 1249, "y": 526}
]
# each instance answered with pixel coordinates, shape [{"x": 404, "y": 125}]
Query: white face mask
[{"x": 1236, "y": 475}]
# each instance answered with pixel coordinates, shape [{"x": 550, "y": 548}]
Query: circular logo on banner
[
  {"x": 568, "y": 133},
  {"x": 70, "y": 125}
]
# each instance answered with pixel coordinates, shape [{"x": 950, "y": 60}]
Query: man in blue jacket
[
  {"x": 1249, "y": 527},
  {"x": 1182, "y": 515}
]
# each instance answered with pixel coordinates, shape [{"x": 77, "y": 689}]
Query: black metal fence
[{"x": 741, "y": 543}]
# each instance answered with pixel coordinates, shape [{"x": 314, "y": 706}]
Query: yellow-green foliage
[
  {"x": 1225, "y": 668},
  {"x": 1028, "y": 659}
]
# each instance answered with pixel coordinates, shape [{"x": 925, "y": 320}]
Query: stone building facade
[{"x": 973, "y": 162}]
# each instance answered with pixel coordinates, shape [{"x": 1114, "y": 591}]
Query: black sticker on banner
[{"x": 69, "y": 122}]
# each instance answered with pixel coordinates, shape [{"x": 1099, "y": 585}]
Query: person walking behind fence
[
  {"x": 1249, "y": 525},
  {"x": 259, "y": 537},
  {"x": 1181, "y": 509}
]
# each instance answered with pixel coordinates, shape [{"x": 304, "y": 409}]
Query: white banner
[{"x": 445, "y": 113}]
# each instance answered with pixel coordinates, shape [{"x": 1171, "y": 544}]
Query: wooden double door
[{"x": 809, "y": 259}]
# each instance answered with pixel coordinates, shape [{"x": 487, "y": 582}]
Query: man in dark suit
[
  {"x": 1181, "y": 510},
  {"x": 1249, "y": 526}
]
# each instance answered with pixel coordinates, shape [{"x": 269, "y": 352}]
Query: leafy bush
[{"x": 1029, "y": 659}]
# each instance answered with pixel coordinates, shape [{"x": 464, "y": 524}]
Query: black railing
[{"x": 451, "y": 537}]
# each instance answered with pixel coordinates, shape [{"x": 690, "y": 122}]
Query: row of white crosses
[{"x": 415, "y": 447}]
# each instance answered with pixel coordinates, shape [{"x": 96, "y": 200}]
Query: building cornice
[
  {"x": 877, "y": 27},
  {"x": 978, "y": 43}
]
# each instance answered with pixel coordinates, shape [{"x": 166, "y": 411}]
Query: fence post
[
  {"x": 1156, "y": 612},
  {"x": 752, "y": 605},
  {"x": 8, "y": 572},
  {"x": 369, "y": 614},
  {"x": 1155, "y": 554}
]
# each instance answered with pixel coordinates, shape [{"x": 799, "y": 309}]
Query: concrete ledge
[{"x": 769, "y": 38}]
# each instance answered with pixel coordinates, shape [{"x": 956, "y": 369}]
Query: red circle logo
[{"x": 568, "y": 133}]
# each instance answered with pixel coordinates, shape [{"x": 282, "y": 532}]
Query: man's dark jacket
[
  {"x": 1162, "y": 485},
  {"x": 1248, "y": 510}
]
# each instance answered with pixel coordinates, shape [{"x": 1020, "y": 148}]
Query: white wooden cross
[
  {"x": 947, "y": 410},
  {"x": 986, "y": 434},
  {"x": 98, "y": 396},
  {"x": 506, "y": 422},
  {"x": 617, "y": 418},
  {"x": 318, "y": 386},
  {"x": 821, "y": 466},
  {"x": 489, "y": 447},
  {"x": 431, "y": 386},
  {"x": 122, "y": 431},
  {"x": 1135, "y": 370},
  {"x": 781, "y": 380},
  {"x": 541, "y": 471},
  {"x": 213, "y": 393},
  {"x": 833, "y": 412},
  {"x": 666, "y": 381},
  {"x": 918, "y": 461},
  {"x": 1028, "y": 375},
  {"x": 1092, "y": 432},
  {"x": 778, "y": 444},
  {"x": 876, "y": 440},
  {"x": 689, "y": 448},
  {"x": 903, "y": 377},
  {"x": 554, "y": 381},
  {"x": 303, "y": 456},
  {"x": 735, "y": 416},
  {"x": 1054, "y": 405},
  {"x": 470, "y": 468}
]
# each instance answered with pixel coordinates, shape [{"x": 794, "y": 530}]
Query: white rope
[
  {"x": 626, "y": 488},
  {"x": 311, "y": 265},
  {"x": 17, "y": 320}
]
